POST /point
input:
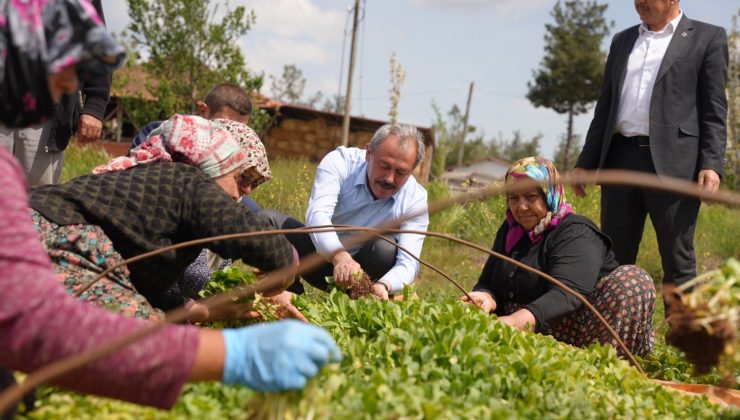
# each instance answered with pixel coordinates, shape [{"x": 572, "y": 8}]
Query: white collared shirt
[
  {"x": 633, "y": 116},
  {"x": 341, "y": 196}
]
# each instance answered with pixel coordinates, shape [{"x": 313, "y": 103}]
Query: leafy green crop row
[{"x": 433, "y": 359}]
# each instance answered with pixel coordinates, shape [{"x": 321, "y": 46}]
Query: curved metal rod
[
  {"x": 606, "y": 177},
  {"x": 313, "y": 229},
  {"x": 273, "y": 283},
  {"x": 552, "y": 280},
  {"x": 402, "y": 248}
]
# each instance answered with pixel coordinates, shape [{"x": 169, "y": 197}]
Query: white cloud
[
  {"x": 271, "y": 54},
  {"x": 293, "y": 32},
  {"x": 501, "y": 5},
  {"x": 297, "y": 18}
]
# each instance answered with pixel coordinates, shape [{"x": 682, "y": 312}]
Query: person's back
[{"x": 150, "y": 206}]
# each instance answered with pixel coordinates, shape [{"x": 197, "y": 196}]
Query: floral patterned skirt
[
  {"x": 626, "y": 299},
  {"x": 79, "y": 253}
]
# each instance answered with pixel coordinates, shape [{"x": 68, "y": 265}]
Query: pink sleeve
[{"x": 40, "y": 323}]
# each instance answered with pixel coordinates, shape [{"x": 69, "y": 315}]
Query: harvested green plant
[
  {"x": 232, "y": 277},
  {"x": 704, "y": 320},
  {"x": 361, "y": 285}
]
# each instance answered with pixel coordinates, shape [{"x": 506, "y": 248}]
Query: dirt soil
[
  {"x": 361, "y": 287},
  {"x": 701, "y": 348}
]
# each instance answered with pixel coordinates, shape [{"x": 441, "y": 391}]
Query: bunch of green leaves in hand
[{"x": 232, "y": 277}]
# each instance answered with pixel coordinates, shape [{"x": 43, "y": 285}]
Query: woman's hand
[
  {"x": 521, "y": 319},
  {"x": 198, "y": 312},
  {"x": 276, "y": 356},
  {"x": 482, "y": 300},
  {"x": 285, "y": 300}
]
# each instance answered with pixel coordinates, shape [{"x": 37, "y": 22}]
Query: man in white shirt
[
  {"x": 365, "y": 187},
  {"x": 662, "y": 110}
]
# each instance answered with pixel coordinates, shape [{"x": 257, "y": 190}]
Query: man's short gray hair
[{"x": 404, "y": 133}]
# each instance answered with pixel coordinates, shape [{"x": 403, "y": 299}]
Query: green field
[{"x": 432, "y": 357}]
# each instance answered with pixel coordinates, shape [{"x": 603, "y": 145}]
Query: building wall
[{"x": 314, "y": 138}]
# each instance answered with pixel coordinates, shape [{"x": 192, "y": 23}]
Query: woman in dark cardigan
[
  {"x": 542, "y": 231},
  {"x": 142, "y": 203}
]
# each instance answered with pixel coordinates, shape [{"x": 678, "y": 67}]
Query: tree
[
  {"x": 565, "y": 163},
  {"x": 189, "y": 46},
  {"x": 398, "y": 76},
  {"x": 517, "y": 147},
  {"x": 290, "y": 86},
  {"x": 448, "y": 135},
  {"x": 314, "y": 100},
  {"x": 334, "y": 104},
  {"x": 571, "y": 72},
  {"x": 732, "y": 156}
]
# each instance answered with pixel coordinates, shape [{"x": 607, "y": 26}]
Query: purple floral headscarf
[
  {"x": 42, "y": 37},
  {"x": 543, "y": 171}
]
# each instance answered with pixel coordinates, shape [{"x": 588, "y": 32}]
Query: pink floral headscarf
[{"x": 187, "y": 139}]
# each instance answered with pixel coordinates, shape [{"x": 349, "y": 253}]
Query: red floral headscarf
[{"x": 187, "y": 139}]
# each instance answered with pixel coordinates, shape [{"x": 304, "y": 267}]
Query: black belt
[{"x": 639, "y": 141}]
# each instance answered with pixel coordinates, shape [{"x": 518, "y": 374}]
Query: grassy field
[
  {"x": 717, "y": 234},
  {"x": 717, "y": 238}
]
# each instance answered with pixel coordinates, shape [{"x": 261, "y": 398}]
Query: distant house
[
  {"x": 299, "y": 131},
  {"x": 475, "y": 174},
  {"x": 133, "y": 83},
  {"x": 292, "y": 130}
]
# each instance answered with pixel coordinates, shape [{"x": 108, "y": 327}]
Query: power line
[{"x": 427, "y": 92}]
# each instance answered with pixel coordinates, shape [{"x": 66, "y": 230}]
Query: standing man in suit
[{"x": 662, "y": 110}]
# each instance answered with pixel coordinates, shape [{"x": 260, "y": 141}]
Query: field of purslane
[{"x": 432, "y": 357}]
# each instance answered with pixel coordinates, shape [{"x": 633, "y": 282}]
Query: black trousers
[
  {"x": 376, "y": 257},
  {"x": 624, "y": 210}
]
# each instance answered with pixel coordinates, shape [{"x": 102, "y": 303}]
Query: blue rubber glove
[{"x": 277, "y": 356}]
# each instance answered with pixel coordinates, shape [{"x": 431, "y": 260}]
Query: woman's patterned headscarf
[
  {"x": 251, "y": 145},
  {"x": 543, "y": 171},
  {"x": 187, "y": 139},
  {"x": 43, "y": 37}
]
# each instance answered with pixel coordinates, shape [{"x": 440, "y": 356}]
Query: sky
[{"x": 442, "y": 44}]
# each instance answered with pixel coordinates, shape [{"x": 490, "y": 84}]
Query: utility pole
[
  {"x": 461, "y": 152},
  {"x": 348, "y": 98}
]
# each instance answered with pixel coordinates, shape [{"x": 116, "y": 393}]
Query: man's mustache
[{"x": 388, "y": 185}]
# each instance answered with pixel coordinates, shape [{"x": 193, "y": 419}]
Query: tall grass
[
  {"x": 717, "y": 234},
  {"x": 289, "y": 188},
  {"x": 81, "y": 159}
]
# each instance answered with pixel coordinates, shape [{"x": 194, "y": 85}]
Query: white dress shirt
[
  {"x": 633, "y": 116},
  {"x": 341, "y": 196}
]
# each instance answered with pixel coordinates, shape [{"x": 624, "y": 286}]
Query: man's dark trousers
[
  {"x": 376, "y": 257},
  {"x": 624, "y": 209}
]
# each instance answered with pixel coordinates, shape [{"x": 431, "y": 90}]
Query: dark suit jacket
[{"x": 688, "y": 108}]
